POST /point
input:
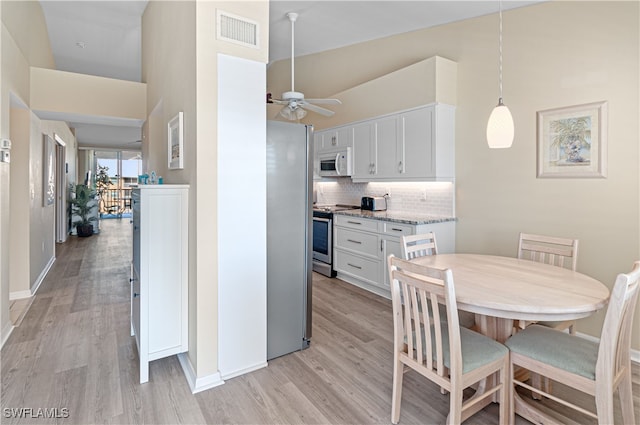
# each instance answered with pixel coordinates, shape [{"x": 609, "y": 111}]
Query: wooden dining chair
[
  {"x": 597, "y": 369},
  {"x": 414, "y": 246},
  {"x": 451, "y": 356},
  {"x": 561, "y": 252}
]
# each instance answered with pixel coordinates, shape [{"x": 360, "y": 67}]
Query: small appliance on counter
[{"x": 373, "y": 203}]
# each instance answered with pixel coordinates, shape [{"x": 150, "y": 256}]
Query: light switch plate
[{"x": 5, "y": 156}]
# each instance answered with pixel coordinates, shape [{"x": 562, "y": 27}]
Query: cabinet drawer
[
  {"x": 356, "y": 223},
  {"x": 398, "y": 229},
  {"x": 359, "y": 267},
  {"x": 366, "y": 243}
]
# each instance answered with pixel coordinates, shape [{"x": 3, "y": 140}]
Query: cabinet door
[
  {"x": 364, "y": 150},
  {"x": 339, "y": 137},
  {"x": 386, "y": 139},
  {"x": 417, "y": 158}
]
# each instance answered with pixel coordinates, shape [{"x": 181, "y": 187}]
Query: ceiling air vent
[{"x": 237, "y": 29}]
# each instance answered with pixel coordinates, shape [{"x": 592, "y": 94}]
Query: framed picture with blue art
[{"x": 572, "y": 141}]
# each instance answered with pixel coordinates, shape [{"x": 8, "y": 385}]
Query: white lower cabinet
[
  {"x": 362, "y": 246},
  {"x": 159, "y": 272}
]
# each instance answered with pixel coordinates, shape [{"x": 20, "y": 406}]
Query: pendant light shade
[{"x": 500, "y": 128}]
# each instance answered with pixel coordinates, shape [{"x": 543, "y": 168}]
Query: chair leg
[
  {"x": 511, "y": 388},
  {"x": 505, "y": 392},
  {"x": 626, "y": 398},
  {"x": 537, "y": 382},
  {"x": 604, "y": 404},
  {"x": 455, "y": 406},
  {"x": 396, "y": 396}
]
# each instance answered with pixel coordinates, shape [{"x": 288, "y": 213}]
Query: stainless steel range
[{"x": 323, "y": 237}]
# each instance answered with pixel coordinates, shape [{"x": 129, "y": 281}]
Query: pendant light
[{"x": 500, "y": 129}]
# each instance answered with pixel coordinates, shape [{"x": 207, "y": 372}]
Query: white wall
[{"x": 242, "y": 276}]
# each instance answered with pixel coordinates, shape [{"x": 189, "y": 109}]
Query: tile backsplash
[{"x": 432, "y": 198}]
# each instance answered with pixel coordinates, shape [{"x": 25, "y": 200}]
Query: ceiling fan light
[
  {"x": 500, "y": 128},
  {"x": 292, "y": 114}
]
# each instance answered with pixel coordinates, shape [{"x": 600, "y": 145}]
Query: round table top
[{"x": 520, "y": 289}]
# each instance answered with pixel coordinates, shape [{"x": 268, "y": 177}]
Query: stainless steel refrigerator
[{"x": 289, "y": 237}]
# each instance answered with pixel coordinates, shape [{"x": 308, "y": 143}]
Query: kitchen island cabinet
[
  {"x": 364, "y": 240},
  {"x": 159, "y": 272}
]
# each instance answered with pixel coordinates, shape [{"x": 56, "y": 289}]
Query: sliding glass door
[{"x": 114, "y": 172}]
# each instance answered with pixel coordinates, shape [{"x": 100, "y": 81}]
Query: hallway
[{"x": 73, "y": 349}]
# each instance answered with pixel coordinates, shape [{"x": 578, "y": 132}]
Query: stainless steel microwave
[{"x": 335, "y": 162}]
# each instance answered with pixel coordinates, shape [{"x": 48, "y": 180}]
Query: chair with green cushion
[
  {"x": 597, "y": 369},
  {"x": 414, "y": 246},
  {"x": 561, "y": 252},
  {"x": 451, "y": 356}
]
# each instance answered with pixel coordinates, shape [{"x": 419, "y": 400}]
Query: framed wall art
[
  {"x": 572, "y": 141},
  {"x": 175, "y": 142},
  {"x": 48, "y": 172}
]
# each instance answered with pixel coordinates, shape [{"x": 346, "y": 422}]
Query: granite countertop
[{"x": 397, "y": 216}]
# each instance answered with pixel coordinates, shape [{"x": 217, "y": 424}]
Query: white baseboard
[
  {"x": 635, "y": 354},
  {"x": 6, "y": 332},
  {"x": 18, "y": 295},
  {"x": 42, "y": 275},
  {"x": 244, "y": 370},
  {"x": 198, "y": 384}
]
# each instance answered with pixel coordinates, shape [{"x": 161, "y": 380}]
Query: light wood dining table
[{"x": 501, "y": 290}]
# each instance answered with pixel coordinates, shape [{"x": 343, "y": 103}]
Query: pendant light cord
[{"x": 500, "y": 55}]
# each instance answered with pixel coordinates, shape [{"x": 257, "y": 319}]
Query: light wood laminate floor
[{"x": 73, "y": 351}]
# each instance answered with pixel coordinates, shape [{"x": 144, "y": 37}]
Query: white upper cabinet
[
  {"x": 389, "y": 147},
  {"x": 413, "y": 145},
  {"x": 364, "y": 150}
]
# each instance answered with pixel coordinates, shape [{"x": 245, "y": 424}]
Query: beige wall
[
  {"x": 555, "y": 54},
  {"x": 20, "y": 225},
  {"x": 24, "y": 44},
  {"x": 71, "y": 93}
]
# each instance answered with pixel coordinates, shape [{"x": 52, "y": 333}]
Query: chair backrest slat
[
  {"x": 425, "y": 290},
  {"x": 414, "y": 246},
  {"x": 562, "y": 252}
]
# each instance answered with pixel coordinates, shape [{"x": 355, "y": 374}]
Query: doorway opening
[{"x": 114, "y": 172}]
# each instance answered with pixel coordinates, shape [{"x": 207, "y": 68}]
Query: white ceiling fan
[{"x": 296, "y": 104}]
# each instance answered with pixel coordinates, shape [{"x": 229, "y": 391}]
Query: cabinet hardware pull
[
  {"x": 130, "y": 221},
  {"x": 135, "y": 294},
  {"x": 354, "y": 266},
  {"x": 132, "y": 280},
  {"x": 395, "y": 229},
  {"x": 354, "y": 241},
  {"x": 354, "y": 222},
  {"x": 381, "y": 244},
  {"x": 400, "y": 167}
]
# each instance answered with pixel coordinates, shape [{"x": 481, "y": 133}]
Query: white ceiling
[{"x": 110, "y": 32}]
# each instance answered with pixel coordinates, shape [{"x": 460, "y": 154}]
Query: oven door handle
[{"x": 324, "y": 220}]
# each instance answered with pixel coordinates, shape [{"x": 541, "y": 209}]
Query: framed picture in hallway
[
  {"x": 175, "y": 142},
  {"x": 48, "y": 173}
]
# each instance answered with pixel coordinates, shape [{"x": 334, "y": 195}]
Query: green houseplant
[{"x": 83, "y": 209}]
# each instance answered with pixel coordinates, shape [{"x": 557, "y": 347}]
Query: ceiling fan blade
[
  {"x": 324, "y": 101},
  {"x": 279, "y": 101},
  {"x": 317, "y": 109}
]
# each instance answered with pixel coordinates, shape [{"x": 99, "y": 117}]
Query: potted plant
[{"x": 83, "y": 209}]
